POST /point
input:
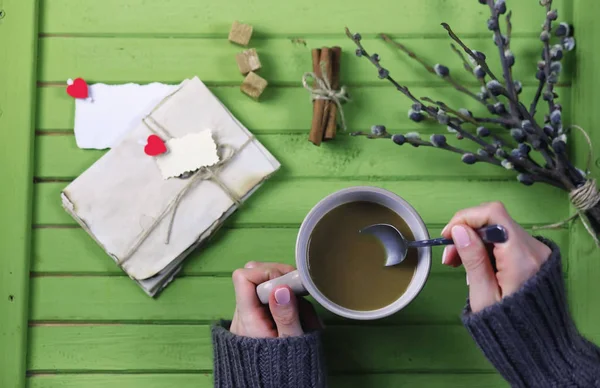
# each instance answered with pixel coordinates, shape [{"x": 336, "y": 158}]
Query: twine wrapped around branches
[
  {"x": 535, "y": 143},
  {"x": 583, "y": 198},
  {"x": 324, "y": 91}
]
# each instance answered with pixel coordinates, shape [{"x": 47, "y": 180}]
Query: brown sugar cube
[
  {"x": 254, "y": 85},
  {"x": 248, "y": 61},
  {"x": 240, "y": 33}
]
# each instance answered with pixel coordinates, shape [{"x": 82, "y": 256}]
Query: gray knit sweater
[{"x": 529, "y": 337}]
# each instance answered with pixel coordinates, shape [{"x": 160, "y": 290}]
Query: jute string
[
  {"x": 204, "y": 173},
  {"x": 584, "y": 197},
  {"x": 324, "y": 91}
]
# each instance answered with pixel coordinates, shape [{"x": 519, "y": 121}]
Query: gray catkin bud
[
  {"x": 438, "y": 140},
  {"x": 495, "y": 87},
  {"x": 507, "y": 165},
  {"x": 525, "y": 179},
  {"x": 479, "y": 72},
  {"x": 469, "y": 158},
  {"x": 441, "y": 70},
  {"x": 442, "y": 117},
  {"x": 569, "y": 43},
  {"x": 378, "y": 130}
]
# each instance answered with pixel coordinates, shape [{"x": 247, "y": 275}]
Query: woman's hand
[
  {"x": 517, "y": 260},
  {"x": 286, "y": 315}
]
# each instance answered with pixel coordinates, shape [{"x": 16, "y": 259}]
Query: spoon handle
[{"x": 489, "y": 234}]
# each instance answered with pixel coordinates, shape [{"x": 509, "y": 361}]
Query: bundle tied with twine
[
  {"x": 584, "y": 198},
  {"x": 326, "y": 93},
  {"x": 204, "y": 173}
]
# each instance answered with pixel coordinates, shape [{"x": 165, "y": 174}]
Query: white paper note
[
  {"x": 113, "y": 111},
  {"x": 188, "y": 153},
  {"x": 125, "y": 204}
]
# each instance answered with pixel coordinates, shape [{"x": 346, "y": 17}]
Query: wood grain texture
[
  {"x": 72, "y": 251},
  {"x": 155, "y": 348},
  {"x": 288, "y": 201},
  {"x": 584, "y": 259},
  {"x": 296, "y": 17},
  {"x": 204, "y": 380},
  {"x": 347, "y": 157},
  {"x": 92, "y": 327},
  {"x": 117, "y": 60},
  {"x": 203, "y": 299},
  {"x": 18, "y": 45},
  {"x": 289, "y": 110}
]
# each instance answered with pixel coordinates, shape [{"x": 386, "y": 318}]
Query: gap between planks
[
  {"x": 364, "y": 178},
  {"x": 202, "y": 322},
  {"x": 527, "y": 226},
  {"x": 50, "y": 372},
  {"x": 295, "y": 39}
]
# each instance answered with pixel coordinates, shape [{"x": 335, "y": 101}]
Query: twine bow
[
  {"x": 204, "y": 173},
  {"x": 583, "y": 198},
  {"x": 324, "y": 91}
]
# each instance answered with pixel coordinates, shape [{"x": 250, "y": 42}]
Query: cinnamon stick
[
  {"x": 317, "y": 128},
  {"x": 331, "y": 120}
]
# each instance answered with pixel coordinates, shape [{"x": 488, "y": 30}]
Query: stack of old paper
[{"x": 149, "y": 224}]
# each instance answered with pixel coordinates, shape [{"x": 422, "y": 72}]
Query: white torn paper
[
  {"x": 124, "y": 203},
  {"x": 187, "y": 154},
  {"x": 114, "y": 110}
]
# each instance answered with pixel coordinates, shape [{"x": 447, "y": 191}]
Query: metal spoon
[{"x": 396, "y": 246}]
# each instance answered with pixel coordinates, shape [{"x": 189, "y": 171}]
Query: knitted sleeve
[
  {"x": 267, "y": 362},
  {"x": 530, "y": 336}
]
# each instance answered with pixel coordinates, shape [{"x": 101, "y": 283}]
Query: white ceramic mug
[{"x": 300, "y": 281}]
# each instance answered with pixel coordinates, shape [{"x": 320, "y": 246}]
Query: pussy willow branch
[
  {"x": 466, "y": 65},
  {"x": 469, "y": 69},
  {"x": 499, "y": 39},
  {"x": 508, "y": 29},
  {"x": 417, "y": 142},
  {"x": 538, "y": 175},
  {"x": 480, "y": 61},
  {"x": 430, "y": 68},
  {"x": 547, "y": 57}
]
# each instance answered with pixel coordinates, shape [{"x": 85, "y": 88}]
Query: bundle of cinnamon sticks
[{"x": 325, "y": 112}]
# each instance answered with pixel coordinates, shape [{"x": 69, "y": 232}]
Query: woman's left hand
[{"x": 285, "y": 316}]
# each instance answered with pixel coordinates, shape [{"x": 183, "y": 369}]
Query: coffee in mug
[
  {"x": 348, "y": 267},
  {"x": 343, "y": 270}
]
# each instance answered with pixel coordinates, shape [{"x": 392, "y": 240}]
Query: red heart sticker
[
  {"x": 155, "y": 146},
  {"x": 78, "y": 89}
]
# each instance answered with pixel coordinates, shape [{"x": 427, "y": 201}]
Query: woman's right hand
[{"x": 517, "y": 260}]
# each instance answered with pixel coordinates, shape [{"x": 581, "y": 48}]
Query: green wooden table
[{"x": 70, "y": 318}]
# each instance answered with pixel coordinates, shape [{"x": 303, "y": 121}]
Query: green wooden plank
[
  {"x": 204, "y": 380},
  {"x": 288, "y": 201},
  {"x": 347, "y": 157},
  {"x": 18, "y": 46},
  {"x": 117, "y": 60},
  {"x": 191, "y": 380},
  {"x": 62, "y": 251},
  {"x": 584, "y": 262},
  {"x": 289, "y": 109},
  {"x": 155, "y": 348},
  {"x": 296, "y": 17},
  {"x": 202, "y": 299}
]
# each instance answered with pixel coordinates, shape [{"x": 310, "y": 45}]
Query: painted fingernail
[
  {"x": 444, "y": 255},
  {"x": 282, "y": 296},
  {"x": 460, "y": 236}
]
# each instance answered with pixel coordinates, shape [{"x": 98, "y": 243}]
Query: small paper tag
[{"x": 188, "y": 153}]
